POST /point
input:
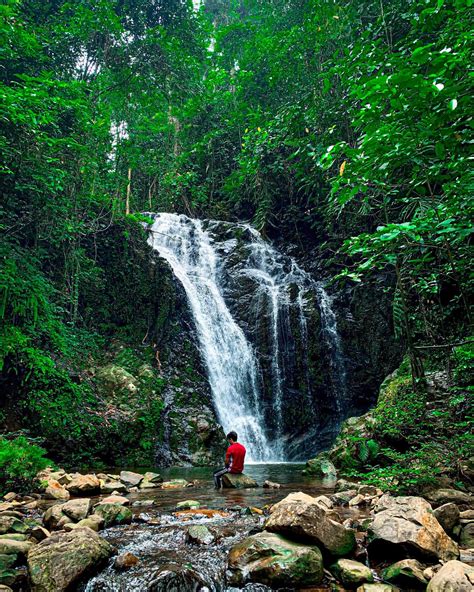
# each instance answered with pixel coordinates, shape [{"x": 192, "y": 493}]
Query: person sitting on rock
[{"x": 234, "y": 459}]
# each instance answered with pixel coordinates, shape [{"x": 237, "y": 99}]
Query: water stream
[{"x": 214, "y": 260}]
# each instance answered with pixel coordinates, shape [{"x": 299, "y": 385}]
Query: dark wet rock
[
  {"x": 83, "y": 484},
  {"x": 321, "y": 467},
  {"x": 407, "y": 573},
  {"x": 405, "y": 527},
  {"x": 448, "y": 516},
  {"x": 454, "y": 576},
  {"x": 199, "y": 534},
  {"x": 58, "y": 562},
  {"x": 301, "y": 520},
  {"x": 39, "y": 533},
  {"x": 177, "y": 578},
  {"x": 238, "y": 481},
  {"x": 273, "y": 560},
  {"x": 466, "y": 538},
  {"x": 125, "y": 561},
  {"x": 351, "y": 573}
]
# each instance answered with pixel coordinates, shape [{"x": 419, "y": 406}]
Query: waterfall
[
  {"x": 213, "y": 260},
  {"x": 230, "y": 360}
]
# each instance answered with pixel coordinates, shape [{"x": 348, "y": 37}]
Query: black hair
[{"x": 232, "y": 436}]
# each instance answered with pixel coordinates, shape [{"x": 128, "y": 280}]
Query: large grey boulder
[
  {"x": 454, "y": 576},
  {"x": 405, "y": 527},
  {"x": 238, "y": 481},
  {"x": 303, "y": 520},
  {"x": 59, "y": 561},
  {"x": 273, "y": 560}
]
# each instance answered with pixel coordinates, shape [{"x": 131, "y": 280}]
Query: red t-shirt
[{"x": 234, "y": 457}]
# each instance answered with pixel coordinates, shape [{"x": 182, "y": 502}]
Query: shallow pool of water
[
  {"x": 158, "y": 537},
  {"x": 288, "y": 475}
]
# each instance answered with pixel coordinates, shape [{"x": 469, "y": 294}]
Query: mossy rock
[{"x": 114, "y": 514}]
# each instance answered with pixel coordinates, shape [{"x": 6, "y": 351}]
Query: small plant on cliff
[{"x": 20, "y": 461}]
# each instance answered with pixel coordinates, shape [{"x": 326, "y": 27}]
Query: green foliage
[{"x": 20, "y": 461}]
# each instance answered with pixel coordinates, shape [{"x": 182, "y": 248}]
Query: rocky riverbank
[{"x": 354, "y": 537}]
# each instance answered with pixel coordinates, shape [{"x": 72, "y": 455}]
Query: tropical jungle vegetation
[{"x": 339, "y": 126}]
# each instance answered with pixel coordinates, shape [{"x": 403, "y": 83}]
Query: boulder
[
  {"x": 83, "y": 484},
  {"x": 116, "y": 499},
  {"x": 448, "y": 516},
  {"x": 130, "y": 478},
  {"x": 351, "y": 573},
  {"x": 52, "y": 516},
  {"x": 125, "y": 561},
  {"x": 238, "y": 481},
  {"x": 308, "y": 521},
  {"x": 94, "y": 522},
  {"x": 294, "y": 498},
  {"x": 113, "y": 514},
  {"x": 188, "y": 505},
  {"x": 77, "y": 509},
  {"x": 12, "y": 524},
  {"x": 466, "y": 538},
  {"x": 321, "y": 467},
  {"x": 145, "y": 484},
  {"x": 175, "y": 484},
  {"x": 407, "y": 573},
  {"x": 454, "y": 576},
  {"x": 378, "y": 587},
  {"x": 272, "y": 560},
  {"x": 405, "y": 527},
  {"x": 116, "y": 381},
  {"x": 14, "y": 547},
  {"x": 271, "y": 485},
  {"x": 62, "y": 559},
  {"x": 446, "y": 496},
  {"x": 56, "y": 491},
  {"x": 153, "y": 477},
  {"x": 344, "y": 485},
  {"x": 178, "y": 578},
  {"x": 112, "y": 487},
  {"x": 342, "y": 498},
  {"x": 199, "y": 534}
]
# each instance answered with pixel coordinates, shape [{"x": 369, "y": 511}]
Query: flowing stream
[{"x": 199, "y": 256}]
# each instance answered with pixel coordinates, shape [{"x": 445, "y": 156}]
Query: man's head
[{"x": 232, "y": 437}]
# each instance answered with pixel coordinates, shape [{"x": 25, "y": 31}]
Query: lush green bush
[{"x": 20, "y": 461}]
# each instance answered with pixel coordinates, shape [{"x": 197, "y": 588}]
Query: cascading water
[
  {"x": 229, "y": 358},
  {"x": 220, "y": 264}
]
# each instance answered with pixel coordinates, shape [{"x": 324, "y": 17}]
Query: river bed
[{"x": 158, "y": 535}]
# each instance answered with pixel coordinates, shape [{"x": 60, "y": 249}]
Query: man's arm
[{"x": 228, "y": 456}]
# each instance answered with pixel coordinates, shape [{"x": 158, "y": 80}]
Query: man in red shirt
[{"x": 234, "y": 459}]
